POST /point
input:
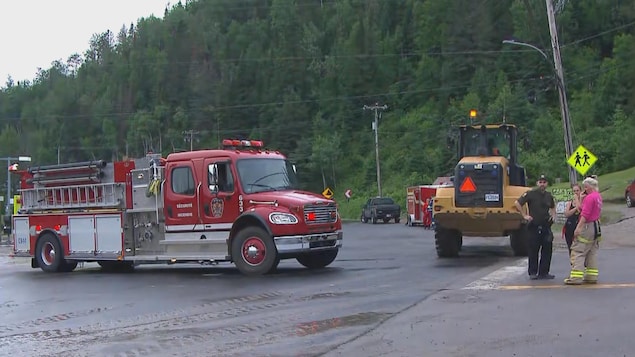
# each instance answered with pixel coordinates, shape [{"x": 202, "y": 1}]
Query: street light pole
[
  {"x": 562, "y": 94},
  {"x": 8, "y": 160},
  {"x": 377, "y": 108}
]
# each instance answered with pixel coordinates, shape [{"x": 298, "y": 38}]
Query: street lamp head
[{"x": 24, "y": 158}]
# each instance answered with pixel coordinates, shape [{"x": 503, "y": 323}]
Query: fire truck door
[
  {"x": 219, "y": 196},
  {"x": 180, "y": 196}
]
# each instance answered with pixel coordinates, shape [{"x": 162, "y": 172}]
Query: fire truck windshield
[{"x": 258, "y": 175}]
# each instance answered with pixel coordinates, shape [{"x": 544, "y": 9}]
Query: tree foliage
[{"x": 296, "y": 74}]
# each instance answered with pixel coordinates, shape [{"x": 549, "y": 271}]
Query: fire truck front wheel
[
  {"x": 49, "y": 254},
  {"x": 254, "y": 252},
  {"x": 318, "y": 260}
]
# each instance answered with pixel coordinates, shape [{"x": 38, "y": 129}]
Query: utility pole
[
  {"x": 188, "y": 135},
  {"x": 564, "y": 106},
  {"x": 378, "y": 110}
]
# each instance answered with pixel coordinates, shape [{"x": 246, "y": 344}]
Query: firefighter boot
[
  {"x": 590, "y": 276},
  {"x": 575, "y": 278}
]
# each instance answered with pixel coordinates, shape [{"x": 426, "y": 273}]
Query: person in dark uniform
[{"x": 540, "y": 218}]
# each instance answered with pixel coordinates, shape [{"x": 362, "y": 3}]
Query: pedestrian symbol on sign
[
  {"x": 585, "y": 156},
  {"x": 582, "y": 160}
]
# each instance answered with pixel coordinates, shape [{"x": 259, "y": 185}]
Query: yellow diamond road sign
[
  {"x": 582, "y": 160},
  {"x": 327, "y": 193}
]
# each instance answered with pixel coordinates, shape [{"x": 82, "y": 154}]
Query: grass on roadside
[{"x": 612, "y": 185}]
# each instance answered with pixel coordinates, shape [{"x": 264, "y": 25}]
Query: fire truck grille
[
  {"x": 485, "y": 188},
  {"x": 320, "y": 214}
]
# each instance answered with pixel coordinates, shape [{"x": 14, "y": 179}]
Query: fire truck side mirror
[{"x": 212, "y": 178}]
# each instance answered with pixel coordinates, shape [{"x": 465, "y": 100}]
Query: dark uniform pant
[{"x": 540, "y": 241}]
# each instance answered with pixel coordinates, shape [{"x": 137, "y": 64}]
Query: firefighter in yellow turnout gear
[{"x": 588, "y": 233}]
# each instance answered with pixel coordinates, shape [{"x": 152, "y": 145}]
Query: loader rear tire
[{"x": 448, "y": 242}]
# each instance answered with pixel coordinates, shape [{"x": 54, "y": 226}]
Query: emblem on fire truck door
[{"x": 217, "y": 207}]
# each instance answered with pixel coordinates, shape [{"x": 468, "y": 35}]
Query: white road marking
[{"x": 495, "y": 279}]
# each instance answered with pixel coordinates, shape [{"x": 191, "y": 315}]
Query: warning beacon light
[
  {"x": 473, "y": 113},
  {"x": 242, "y": 144}
]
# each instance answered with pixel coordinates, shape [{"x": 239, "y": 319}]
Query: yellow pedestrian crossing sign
[
  {"x": 582, "y": 160},
  {"x": 327, "y": 193}
]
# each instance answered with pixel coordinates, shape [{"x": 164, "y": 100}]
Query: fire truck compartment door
[
  {"x": 21, "y": 230},
  {"x": 81, "y": 234},
  {"x": 109, "y": 233}
]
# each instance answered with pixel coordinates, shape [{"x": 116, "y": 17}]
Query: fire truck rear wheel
[
  {"x": 49, "y": 254},
  {"x": 68, "y": 266},
  {"x": 116, "y": 266},
  {"x": 254, "y": 252},
  {"x": 318, "y": 260}
]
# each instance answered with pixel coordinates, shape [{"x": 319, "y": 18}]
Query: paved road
[
  {"x": 382, "y": 270},
  {"x": 505, "y": 314}
]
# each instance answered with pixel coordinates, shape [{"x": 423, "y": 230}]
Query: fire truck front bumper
[{"x": 308, "y": 243}]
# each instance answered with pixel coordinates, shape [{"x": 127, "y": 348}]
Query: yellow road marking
[{"x": 584, "y": 286}]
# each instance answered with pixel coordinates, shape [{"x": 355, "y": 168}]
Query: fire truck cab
[{"x": 236, "y": 204}]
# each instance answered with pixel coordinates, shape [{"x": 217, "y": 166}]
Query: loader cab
[{"x": 493, "y": 140}]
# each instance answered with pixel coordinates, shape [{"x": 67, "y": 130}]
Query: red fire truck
[
  {"x": 417, "y": 200},
  {"x": 236, "y": 204}
]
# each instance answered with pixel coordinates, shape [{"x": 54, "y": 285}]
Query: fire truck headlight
[{"x": 282, "y": 218}]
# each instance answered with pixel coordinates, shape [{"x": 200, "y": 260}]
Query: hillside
[{"x": 297, "y": 74}]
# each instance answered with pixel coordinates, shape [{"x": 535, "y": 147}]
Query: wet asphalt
[{"x": 188, "y": 310}]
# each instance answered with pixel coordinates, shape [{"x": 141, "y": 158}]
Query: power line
[{"x": 600, "y": 34}]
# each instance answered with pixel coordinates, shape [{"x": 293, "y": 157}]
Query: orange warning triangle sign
[{"x": 468, "y": 185}]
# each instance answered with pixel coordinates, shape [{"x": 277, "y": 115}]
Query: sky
[{"x": 34, "y": 33}]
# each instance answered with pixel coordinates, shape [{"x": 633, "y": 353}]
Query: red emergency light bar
[{"x": 232, "y": 143}]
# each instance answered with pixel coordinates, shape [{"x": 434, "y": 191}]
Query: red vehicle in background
[
  {"x": 419, "y": 199},
  {"x": 629, "y": 194},
  {"x": 236, "y": 204}
]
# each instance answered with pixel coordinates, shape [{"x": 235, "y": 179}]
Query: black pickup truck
[{"x": 380, "y": 208}]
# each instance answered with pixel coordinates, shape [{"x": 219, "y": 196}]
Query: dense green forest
[{"x": 297, "y": 73}]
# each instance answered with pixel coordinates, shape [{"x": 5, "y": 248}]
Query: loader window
[
  {"x": 183, "y": 181},
  {"x": 497, "y": 141}
]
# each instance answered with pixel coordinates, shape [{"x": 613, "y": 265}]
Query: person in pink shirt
[{"x": 587, "y": 236}]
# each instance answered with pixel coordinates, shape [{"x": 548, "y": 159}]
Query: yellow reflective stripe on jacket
[{"x": 583, "y": 240}]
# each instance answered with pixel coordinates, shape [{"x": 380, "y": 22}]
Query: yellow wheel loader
[{"x": 487, "y": 180}]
